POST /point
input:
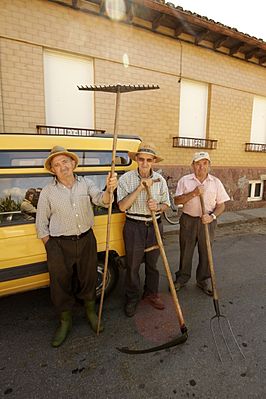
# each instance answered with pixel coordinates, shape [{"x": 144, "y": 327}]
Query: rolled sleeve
[{"x": 96, "y": 194}]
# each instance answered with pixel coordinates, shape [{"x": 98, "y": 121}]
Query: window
[
  {"x": 258, "y": 126},
  {"x": 13, "y": 191},
  {"x": 13, "y": 159},
  {"x": 193, "y": 110},
  {"x": 65, "y": 105},
  {"x": 255, "y": 190}
]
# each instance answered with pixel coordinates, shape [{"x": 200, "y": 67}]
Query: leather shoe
[
  {"x": 178, "y": 286},
  {"x": 206, "y": 287},
  {"x": 130, "y": 309},
  {"x": 154, "y": 300}
]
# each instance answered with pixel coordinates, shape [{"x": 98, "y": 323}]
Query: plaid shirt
[
  {"x": 139, "y": 209},
  {"x": 64, "y": 211}
]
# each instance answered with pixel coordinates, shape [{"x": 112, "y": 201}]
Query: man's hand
[
  {"x": 45, "y": 239},
  {"x": 152, "y": 205},
  {"x": 111, "y": 182},
  {"x": 206, "y": 219},
  {"x": 198, "y": 191}
]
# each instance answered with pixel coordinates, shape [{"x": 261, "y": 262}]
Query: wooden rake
[
  {"x": 118, "y": 89},
  {"x": 222, "y": 321}
]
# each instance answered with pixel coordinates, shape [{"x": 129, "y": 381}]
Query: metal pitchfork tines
[
  {"x": 218, "y": 316},
  {"x": 118, "y": 89}
]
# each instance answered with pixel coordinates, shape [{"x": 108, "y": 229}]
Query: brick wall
[{"x": 27, "y": 28}]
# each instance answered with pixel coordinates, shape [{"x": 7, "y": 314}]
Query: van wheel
[{"x": 111, "y": 278}]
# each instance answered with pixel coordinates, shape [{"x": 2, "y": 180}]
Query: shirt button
[{"x": 77, "y": 214}]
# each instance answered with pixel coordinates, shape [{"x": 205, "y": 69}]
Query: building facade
[{"x": 208, "y": 100}]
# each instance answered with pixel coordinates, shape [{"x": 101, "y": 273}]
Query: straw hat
[
  {"x": 57, "y": 150},
  {"x": 145, "y": 149}
]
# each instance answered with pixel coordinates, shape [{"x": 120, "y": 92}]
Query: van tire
[{"x": 111, "y": 277}]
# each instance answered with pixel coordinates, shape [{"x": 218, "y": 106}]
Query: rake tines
[
  {"x": 118, "y": 88},
  {"x": 226, "y": 333}
]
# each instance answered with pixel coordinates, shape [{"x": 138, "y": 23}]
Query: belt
[
  {"x": 73, "y": 238},
  {"x": 145, "y": 222}
]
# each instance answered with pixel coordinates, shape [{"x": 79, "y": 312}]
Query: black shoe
[
  {"x": 206, "y": 287},
  {"x": 178, "y": 286},
  {"x": 130, "y": 309}
]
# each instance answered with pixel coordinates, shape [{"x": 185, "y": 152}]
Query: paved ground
[{"x": 87, "y": 366}]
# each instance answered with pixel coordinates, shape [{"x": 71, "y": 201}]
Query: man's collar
[
  {"x": 56, "y": 181},
  {"x": 151, "y": 174},
  {"x": 208, "y": 177}
]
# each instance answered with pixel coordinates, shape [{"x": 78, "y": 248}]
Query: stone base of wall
[{"x": 235, "y": 180}]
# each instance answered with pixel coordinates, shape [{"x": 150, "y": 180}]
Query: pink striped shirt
[{"x": 214, "y": 193}]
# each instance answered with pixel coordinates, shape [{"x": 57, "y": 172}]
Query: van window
[
  {"x": 13, "y": 191},
  {"x": 14, "y": 159}
]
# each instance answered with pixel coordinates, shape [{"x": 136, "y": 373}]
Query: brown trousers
[
  {"x": 62, "y": 255},
  {"x": 191, "y": 234},
  {"x": 137, "y": 237}
]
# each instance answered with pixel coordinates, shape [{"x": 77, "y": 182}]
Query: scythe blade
[{"x": 170, "y": 344}]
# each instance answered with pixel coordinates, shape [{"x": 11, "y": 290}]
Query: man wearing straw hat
[
  {"x": 64, "y": 223},
  {"x": 139, "y": 233},
  {"x": 188, "y": 191}
]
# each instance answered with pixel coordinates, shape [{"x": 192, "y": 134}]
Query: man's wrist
[{"x": 213, "y": 216}]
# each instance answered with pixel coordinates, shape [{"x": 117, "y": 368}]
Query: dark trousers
[
  {"x": 192, "y": 233},
  {"x": 62, "y": 256},
  {"x": 137, "y": 237}
]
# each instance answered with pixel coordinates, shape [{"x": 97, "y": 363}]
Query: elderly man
[
  {"x": 139, "y": 232},
  {"x": 64, "y": 223},
  {"x": 188, "y": 190}
]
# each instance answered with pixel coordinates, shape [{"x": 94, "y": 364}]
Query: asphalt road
[{"x": 87, "y": 366}]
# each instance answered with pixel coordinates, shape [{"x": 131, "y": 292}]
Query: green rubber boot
[
  {"x": 92, "y": 316},
  {"x": 63, "y": 330}
]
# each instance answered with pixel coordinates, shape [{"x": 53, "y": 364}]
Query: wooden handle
[
  {"x": 209, "y": 252},
  {"x": 165, "y": 262},
  {"x": 117, "y": 107}
]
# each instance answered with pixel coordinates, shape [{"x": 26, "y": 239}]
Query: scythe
[{"x": 180, "y": 339}]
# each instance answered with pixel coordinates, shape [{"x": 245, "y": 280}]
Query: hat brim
[
  {"x": 69, "y": 154},
  {"x": 132, "y": 155}
]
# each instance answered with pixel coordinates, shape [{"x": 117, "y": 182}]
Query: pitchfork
[{"x": 218, "y": 316}]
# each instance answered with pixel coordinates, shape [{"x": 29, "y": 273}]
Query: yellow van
[{"x": 22, "y": 256}]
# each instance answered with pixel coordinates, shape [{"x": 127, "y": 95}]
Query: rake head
[
  {"x": 118, "y": 88},
  {"x": 222, "y": 334}
]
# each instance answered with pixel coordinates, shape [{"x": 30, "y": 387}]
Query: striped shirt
[
  {"x": 64, "y": 211},
  {"x": 139, "y": 209},
  {"x": 214, "y": 193}
]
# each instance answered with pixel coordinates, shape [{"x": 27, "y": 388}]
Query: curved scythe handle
[
  {"x": 181, "y": 339},
  {"x": 166, "y": 264}
]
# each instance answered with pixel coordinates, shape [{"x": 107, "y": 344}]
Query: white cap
[{"x": 201, "y": 155}]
